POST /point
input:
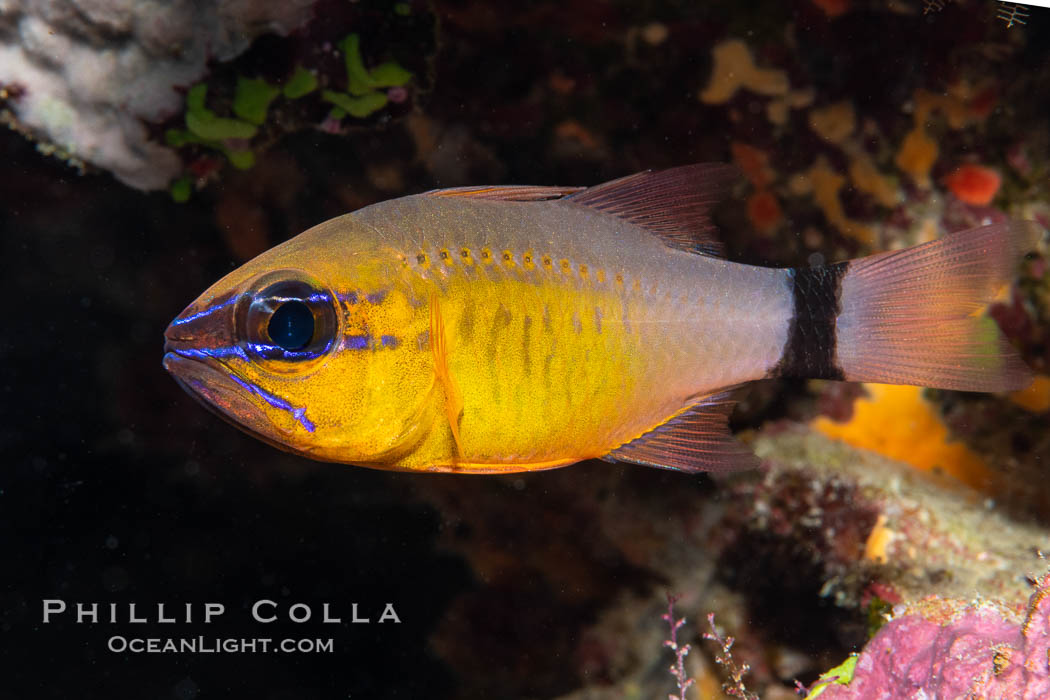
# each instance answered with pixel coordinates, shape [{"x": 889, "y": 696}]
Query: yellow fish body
[{"x": 519, "y": 328}]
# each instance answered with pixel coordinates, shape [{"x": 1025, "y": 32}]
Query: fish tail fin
[{"x": 915, "y": 316}]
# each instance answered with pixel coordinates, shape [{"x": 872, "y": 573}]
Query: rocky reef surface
[
  {"x": 799, "y": 563},
  {"x": 84, "y": 78}
]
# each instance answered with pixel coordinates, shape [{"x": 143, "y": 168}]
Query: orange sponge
[
  {"x": 974, "y": 184},
  {"x": 897, "y": 422}
]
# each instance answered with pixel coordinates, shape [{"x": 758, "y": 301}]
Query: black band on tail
[{"x": 810, "y": 348}]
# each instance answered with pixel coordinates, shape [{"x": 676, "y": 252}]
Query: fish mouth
[
  {"x": 195, "y": 344},
  {"x": 214, "y": 387}
]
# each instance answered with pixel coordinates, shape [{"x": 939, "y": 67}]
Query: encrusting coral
[
  {"x": 119, "y": 86},
  {"x": 945, "y": 648},
  {"x": 91, "y": 74}
]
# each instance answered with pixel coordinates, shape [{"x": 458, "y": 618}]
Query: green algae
[
  {"x": 879, "y": 611},
  {"x": 181, "y": 189},
  {"x": 359, "y": 107},
  {"x": 209, "y": 126},
  {"x": 359, "y": 82},
  {"x": 841, "y": 674},
  {"x": 252, "y": 99},
  {"x": 364, "y": 94},
  {"x": 177, "y": 138},
  {"x": 302, "y": 83},
  {"x": 389, "y": 74},
  {"x": 242, "y": 160}
]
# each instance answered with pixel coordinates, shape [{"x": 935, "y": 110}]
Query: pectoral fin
[
  {"x": 439, "y": 349},
  {"x": 696, "y": 440}
]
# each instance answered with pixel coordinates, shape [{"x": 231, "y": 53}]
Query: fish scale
[{"x": 647, "y": 339}]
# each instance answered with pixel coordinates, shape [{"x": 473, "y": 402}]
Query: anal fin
[
  {"x": 439, "y": 349},
  {"x": 696, "y": 440}
]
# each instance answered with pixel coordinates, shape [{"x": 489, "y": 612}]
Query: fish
[{"x": 504, "y": 329}]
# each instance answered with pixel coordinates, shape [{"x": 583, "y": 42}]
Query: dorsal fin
[
  {"x": 696, "y": 440},
  {"x": 508, "y": 193},
  {"x": 675, "y": 204}
]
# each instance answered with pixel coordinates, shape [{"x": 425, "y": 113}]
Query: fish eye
[
  {"x": 290, "y": 319},
  {"x": 291, "y": 325}
]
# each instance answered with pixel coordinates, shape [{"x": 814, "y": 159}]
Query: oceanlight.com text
[{"x": 218, "y": 645}]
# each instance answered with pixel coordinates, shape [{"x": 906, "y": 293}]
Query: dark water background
[{"x": 117, "y": 487}]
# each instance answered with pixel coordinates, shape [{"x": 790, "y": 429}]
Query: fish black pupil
[{"x": 292, "y": 325}]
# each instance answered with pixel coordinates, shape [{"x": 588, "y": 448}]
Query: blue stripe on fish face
[
  {"x": 276, "y": 401},
  {"x": 212, "y": 353},
  {"x": 353, "y": 298},
  {"x": 357, "y": 342},
  {"x": 276, "y": 352},
  {"x": 315, "y": 297},
  {"x": 268, "y": 352},
  {"x": 182, "y": 320},
  {"x": 360, "y": 341}
]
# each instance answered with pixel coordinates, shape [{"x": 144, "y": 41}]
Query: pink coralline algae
[{"x": 942, "y": 648}]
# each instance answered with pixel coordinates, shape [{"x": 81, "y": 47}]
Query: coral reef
[
  {"x": 842, "y": 533},
  {"x": 877, "y": 527},
  {"x": 897, "y": 422},
  {"x": 89, "y": 74},
  {"x": 946, "y": 648},
  {"x": 735, "y": 69},
  {"x": 858, "y": 126},
  {"x": 163, "y": 95},
  {"x": 974, "y": 184},
  {"x": 364, "y": 92}
]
